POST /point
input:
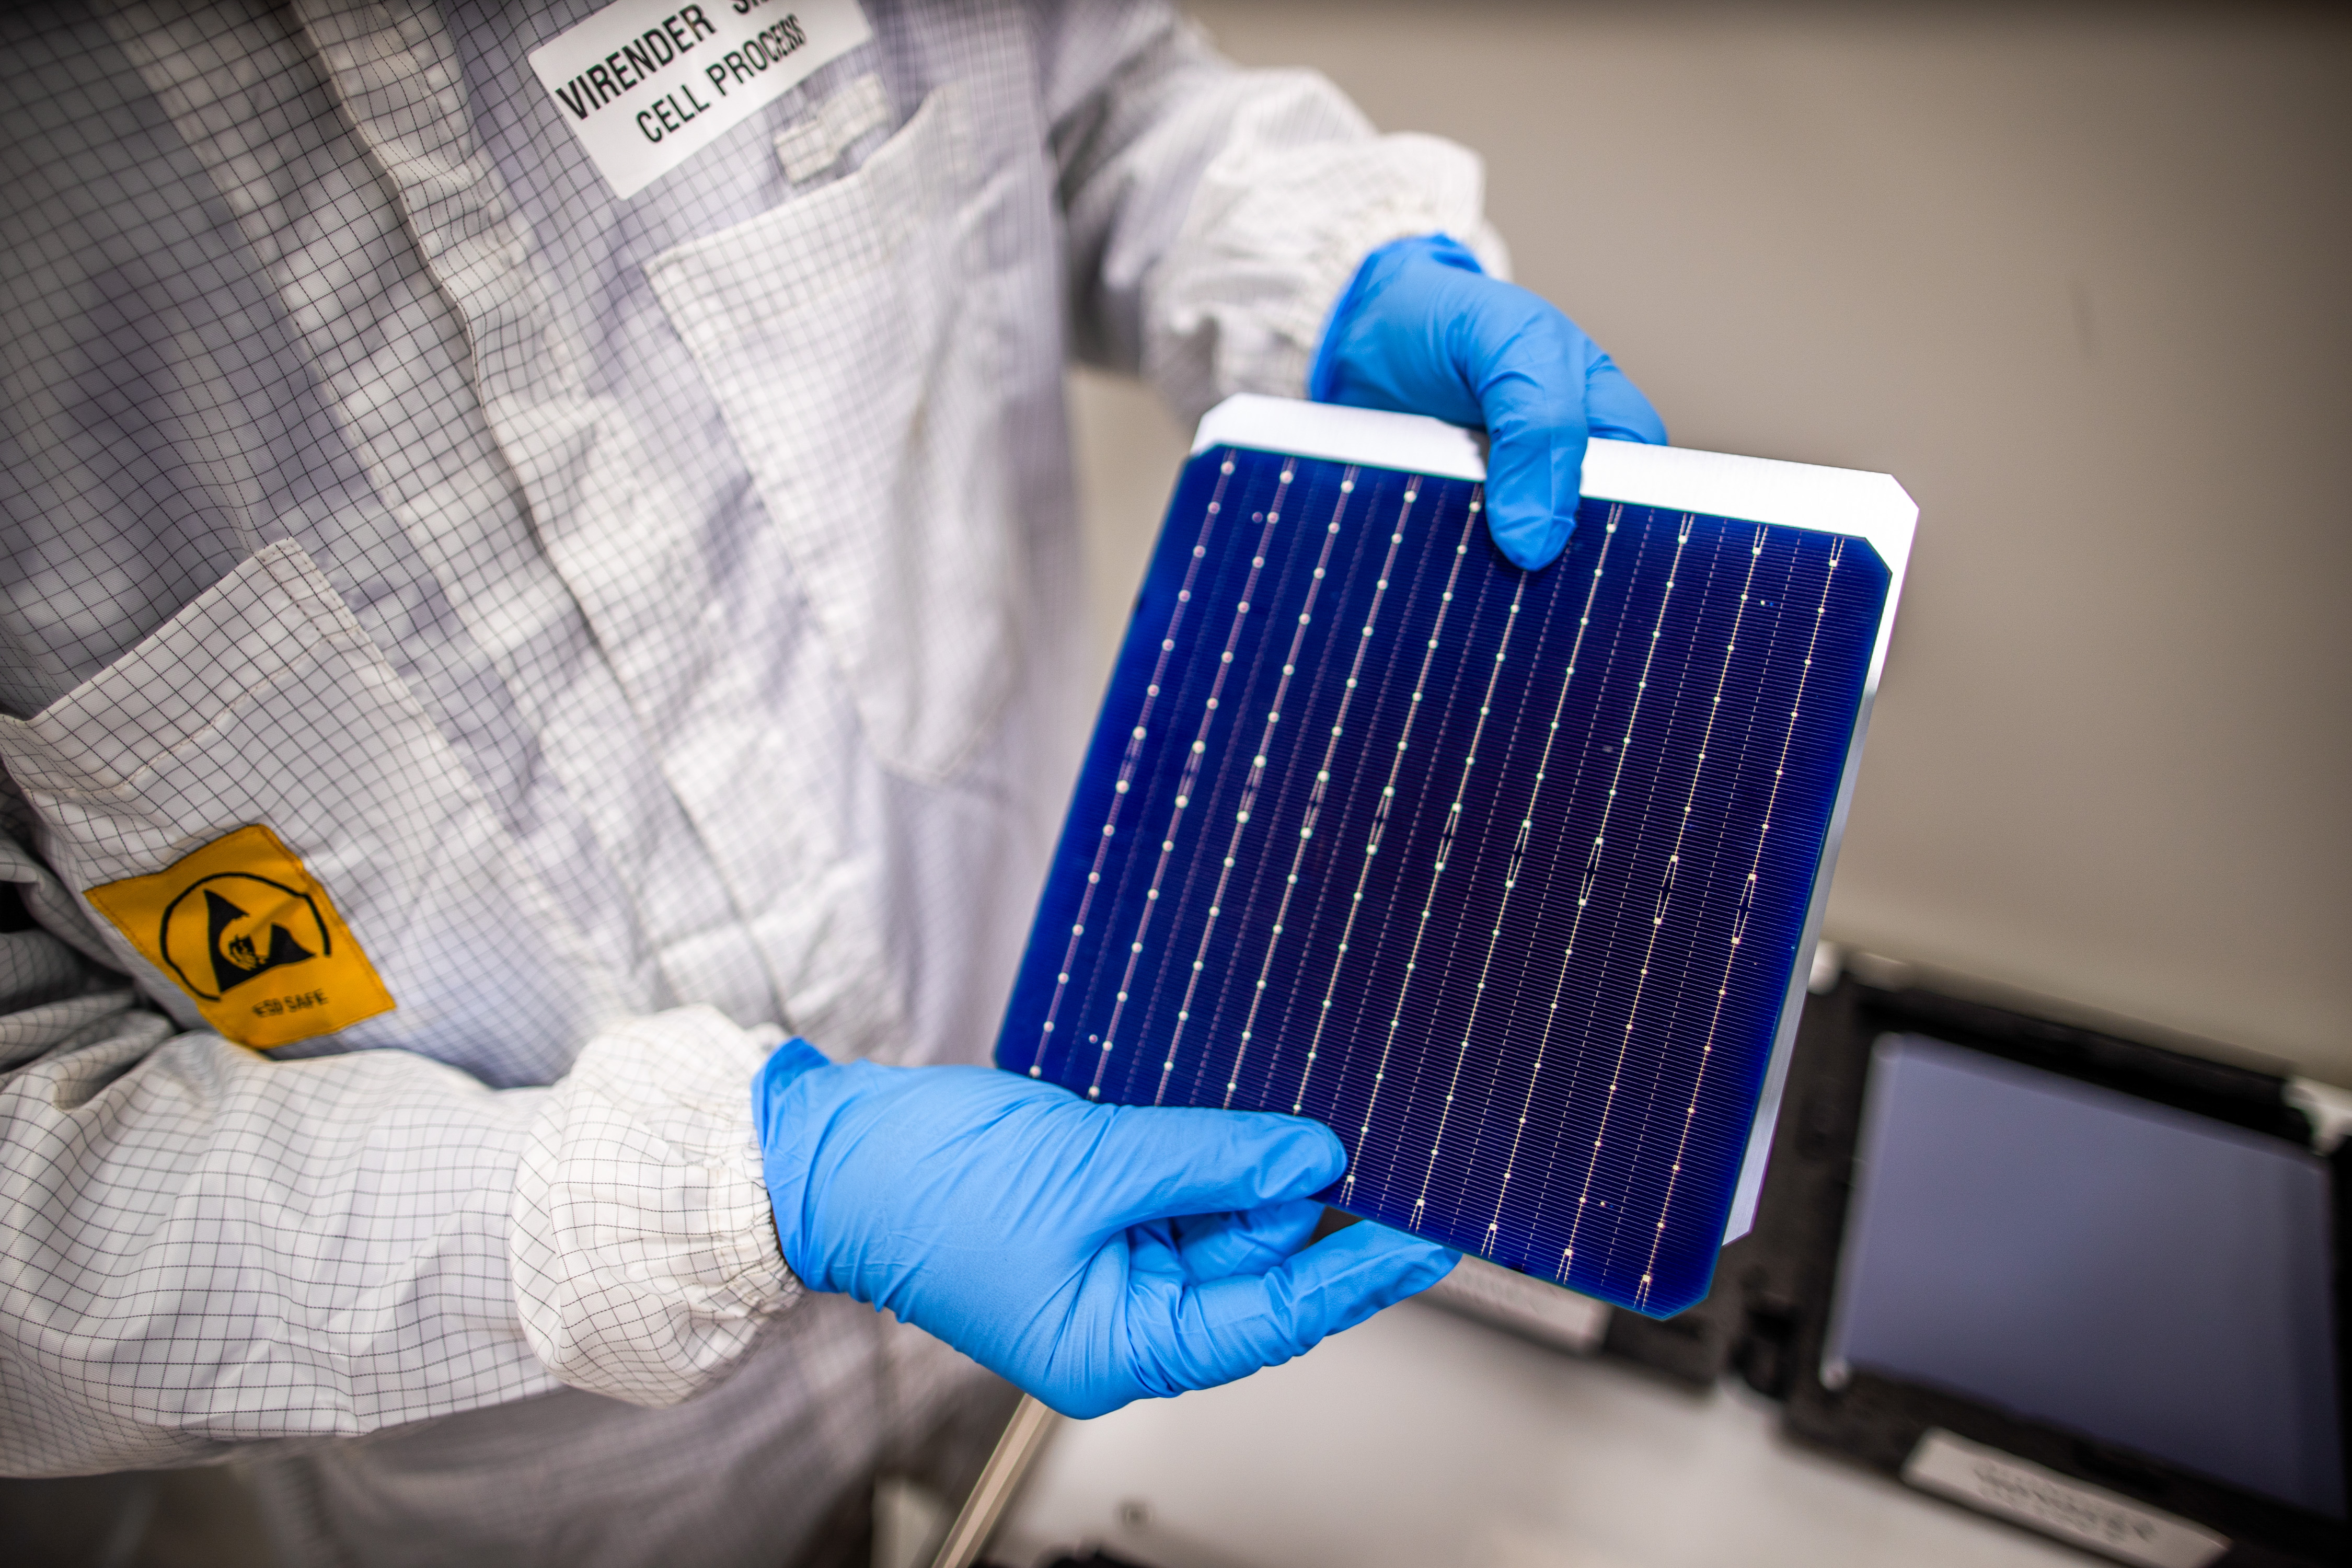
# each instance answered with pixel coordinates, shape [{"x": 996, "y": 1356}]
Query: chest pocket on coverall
[
  {"x": 264, "y": 702},
  {"x": 852, "y": 340}
]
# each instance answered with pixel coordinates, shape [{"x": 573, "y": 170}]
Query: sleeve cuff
[{"x": 645, "y": 1254}]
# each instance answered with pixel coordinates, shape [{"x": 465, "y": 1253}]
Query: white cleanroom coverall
[{"x": 642, "y": 627}]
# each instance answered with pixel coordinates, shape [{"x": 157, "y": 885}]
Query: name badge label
[{"x": 646, "y": 84}]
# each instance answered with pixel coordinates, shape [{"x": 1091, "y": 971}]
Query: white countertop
[{"x": 1422, "y": 1438}]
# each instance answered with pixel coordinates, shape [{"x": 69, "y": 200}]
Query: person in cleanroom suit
[{"x": 485, "y": 657}]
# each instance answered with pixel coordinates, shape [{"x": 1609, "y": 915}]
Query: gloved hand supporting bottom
[{"x": 1089, "y": 1254}]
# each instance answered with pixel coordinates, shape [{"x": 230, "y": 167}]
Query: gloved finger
[
  {"x": 1249, "y": 1242},
  {"x": 1615, "y": 408},
  {"x": 1154, "y": 1251},
  {"x": 1148, "y": 1163},
  {"x": 1229, "y": 1329},
  {"x": 1535, "y": 416}
]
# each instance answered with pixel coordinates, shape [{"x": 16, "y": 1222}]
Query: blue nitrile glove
[
  {"x": 1091, "y": 1254},
  {"x": 1423, "y": 330}
]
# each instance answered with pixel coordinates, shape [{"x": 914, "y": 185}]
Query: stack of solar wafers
[{"x": 1509, "y": 878}]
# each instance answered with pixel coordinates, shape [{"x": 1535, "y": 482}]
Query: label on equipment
[
  {"x": 2011, "y": 1488},
  {"x": 647, "y": 84}
]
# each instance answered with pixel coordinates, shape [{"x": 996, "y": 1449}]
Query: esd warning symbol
[{"x": 252, "y": 939}]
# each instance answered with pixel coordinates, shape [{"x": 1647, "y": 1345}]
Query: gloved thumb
[
  {"x": 1348, "y": 1275},
  {"x": 1530, "y": 386},
  {"x": 1232, "y": 1327},
  {"x": 1152, "y": 1162}
]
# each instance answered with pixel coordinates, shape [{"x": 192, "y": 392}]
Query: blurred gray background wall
[{"x": 2078, "y": 276}]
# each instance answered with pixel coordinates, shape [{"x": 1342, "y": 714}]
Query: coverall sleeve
[
  {"x": 1215, "y": 214},
  {"x": 200, "y": 1247}
]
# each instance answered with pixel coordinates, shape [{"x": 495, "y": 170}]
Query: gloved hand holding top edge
[
  {"x": 1423, "y": 330},
  {"x": 1090, "y": 1254}
]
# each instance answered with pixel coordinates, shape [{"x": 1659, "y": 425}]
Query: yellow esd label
[{"x": 252, "y": 938}]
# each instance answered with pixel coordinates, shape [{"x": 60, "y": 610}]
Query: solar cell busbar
[{"x": 1511, "y": 879}]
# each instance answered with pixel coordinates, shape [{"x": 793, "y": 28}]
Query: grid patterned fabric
[
  {"x": 1501, "y": 875},
  {"x": 644, "y": 618}
]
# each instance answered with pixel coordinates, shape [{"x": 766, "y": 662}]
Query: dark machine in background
[
  {"x": 1773, "y": 1313},
  {"x": 2085, "y": 1284}
]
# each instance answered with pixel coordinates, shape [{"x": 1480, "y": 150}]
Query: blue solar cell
[{"x": 1500, "y": 875}]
